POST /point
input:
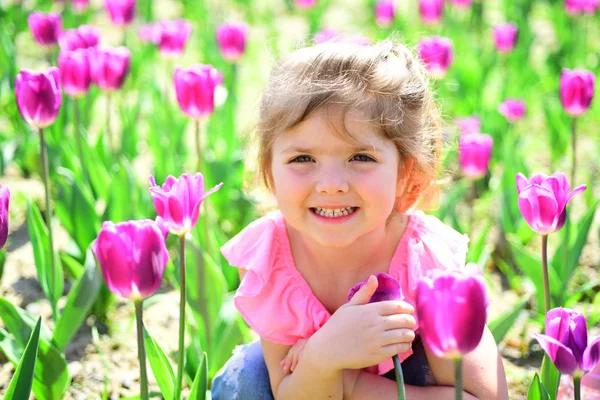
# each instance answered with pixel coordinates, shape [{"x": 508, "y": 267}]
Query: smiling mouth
[{"x": 334, "y": 212}]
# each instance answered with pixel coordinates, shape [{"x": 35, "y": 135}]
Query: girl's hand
[
  {"x": 359, "y": 334},
  {"x": 293, "y": 356}
]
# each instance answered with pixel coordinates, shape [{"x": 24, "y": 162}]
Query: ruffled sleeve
[{"x": 271, "y": 298}]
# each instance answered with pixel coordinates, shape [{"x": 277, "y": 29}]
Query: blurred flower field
[{"x": 116, "y": 111}]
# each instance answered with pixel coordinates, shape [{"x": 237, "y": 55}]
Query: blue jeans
[{"x": 245, "y": 375}]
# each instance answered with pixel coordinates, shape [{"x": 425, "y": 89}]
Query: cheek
[
  {"x": 378, "y": 186},
  {"x": 289, "y": 183}
]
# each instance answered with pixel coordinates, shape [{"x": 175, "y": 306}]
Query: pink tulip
[
  {"x": 4, "y": 202},
  {"x": 468, "y": 125},
  {"x": 80, "y": 5},
  {"x": 83, "y": 37},
  {"x": 512, "y": 109},
  {"x": 178, "y": 201},
  {"x": 451, "y": 311},
  {"x": 384, "y": 12},
  {"x": 581, "y": 6},
  {"x": 45, "y": 27},
  {"x": 172, "y": 36},
  {"x": 146, "y": 33},
  {"x": 388, "y": 288},
  {"x": 109, "y": 67},
  {"x": 326, "y": 34},
  {"x": 195, "y": 89},
  {"x": 305, "y": 4},
  {"x": 231, "y": 38},
  {"x": 505, "y": 37},
  {"x": 121, "y": 11},
  {"x": 576, "y": 90},
  {"x": 38, "y": 96},
  {"x": 132, "y": 256},
  {"x": 74, "y": 69},
  {"x": 461, "y": 3},
  {"x": 431, "y": 10},
  {"x": 437, "y": 54},
  {"x": 475, "y": 153},
  {"x": 543, "y": 200}
]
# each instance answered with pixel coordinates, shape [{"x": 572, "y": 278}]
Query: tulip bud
[
  {"x": 4, "y": 202},
  {"x": 121, "y": 11},
  {"x": 505, "y": 37},
  {"x": 132, "y": 256},
  {"x": 543, "y": 200},
  {"x": 576, "y": 90},
  {"x": 38, "y": 96},
  {"x": 109, "y": 67},
  {"x": 178, "y": 201},
  {"x": 45, "y": 27},
  {"x": 231, "y": 39},
  {"x": 566, "y": 342},
  {"x": 195, "y": 89},
  {"x": 388, "y": 288},
  {"x": 437, "y": 55},
  {"x": 461, "y": 3},
  {"x": 451, "y": 311},
  {"x": 171, "y": 37},
  {"x": 85, "y": 36},
  {"x": 431, "y": 10},
  {"x": 74, "y": 69},
  {"x": 475, "y": 152},
  {"x": 384, "y": 12},
  {"x": 305, "y": 4},
  {"x": 512, "y": 109},
  {"x": 468, "y": 125}
]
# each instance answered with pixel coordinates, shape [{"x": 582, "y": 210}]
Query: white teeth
[{"x": 334, "y": 212}]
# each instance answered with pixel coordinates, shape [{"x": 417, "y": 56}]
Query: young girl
[{"x": 348, "y": 144}]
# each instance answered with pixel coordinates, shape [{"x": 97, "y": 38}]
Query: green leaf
[
  {"x": 20, "y": 384},
  {"x": 80, "y": 300},
  {"x": 550, "y": 377},
  {"x": 537, "y": 391},
  {"x": 51, "y": 374},
  {"x": 198, "y": 390},
  {"x": 476, "y": 250},
  {"x": 502, "y": 324},
  {"x": 40, "y": 242},
  {"x": 161, "y": 368}
]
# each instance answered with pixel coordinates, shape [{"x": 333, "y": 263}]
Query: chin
[{"x": 335, "y": 242}]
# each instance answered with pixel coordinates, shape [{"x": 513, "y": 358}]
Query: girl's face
[{"x": 330, "y": 189}]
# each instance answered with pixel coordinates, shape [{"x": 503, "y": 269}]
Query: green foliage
[{"x": 20, "y": 384}]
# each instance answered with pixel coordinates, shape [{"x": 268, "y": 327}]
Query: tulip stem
[
  {"x": 458, "y": 379},
  {"x": 78, "y": 138},
  {"x": 48, "y": 213},
  {"x": 181, "y": 352},
  {"x": 577, "y": 387},
  {"x": 141, "y": 350},
  {"x": 199, "y": 164},
  {"x": 573, "y": 154},
  {"x": 399, "y": 378},
  {"x": 545, "y": 272},
  {"x": 108, "y": 125}
]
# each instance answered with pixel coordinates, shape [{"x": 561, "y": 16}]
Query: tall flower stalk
[{"x": 139, "y": 320}]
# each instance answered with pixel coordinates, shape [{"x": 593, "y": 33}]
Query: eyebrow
[{"x": 298, "y": 149}]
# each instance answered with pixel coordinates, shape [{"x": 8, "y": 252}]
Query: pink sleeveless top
[{"x": 278, "y": 303}]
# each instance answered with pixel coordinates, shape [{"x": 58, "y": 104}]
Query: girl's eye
[
  {"x": 362, "y": 158},
  {"x": 302, "y": 159}
]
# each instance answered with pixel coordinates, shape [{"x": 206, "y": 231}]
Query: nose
[{"x": 332, "y": 179}]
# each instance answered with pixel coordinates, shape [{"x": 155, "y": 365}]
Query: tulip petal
[
  {"x": 112, "y": 256},
  {"x": 150, "y": 265},
  {"x": 591, "y": 356},
  {"x": 561, "y": 356},
  {"x": 470, "y": 313},
  {"x": 577, "y": 190},
  {"x": 521, "y": 182}
]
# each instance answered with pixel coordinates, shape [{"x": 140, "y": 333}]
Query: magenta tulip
[
  {"x": 305, "y": 4},
  {"x": 451, "y": 311},
  {"x": 576, "y": 90},
  {"x": 132, "y": 256},
  {"x": 109, "y": 67},
  {"x": 581, "y": 6},
  {"x": 461, "y": 3},
  {"x": 437, "y": 55},
  {"x": 178, "y": 201},
  {"x": 512, "y": 109},
  {"x": 388, "y": 288},
  {"x": 121, "y": 11},
  {"x": 83, "y": 37},
  {"x": 475, "y": 151},
  {"x": 505, "y": 37},
  {"x": 566, "y": 342},
  {"x": 38, "y": 96},
  {"x": 231, "y": 38},
  {"x": 146, "y": 33},
  {"x": 431, "y": 10},
  {"x": 468, "y": 125},
  {"x": 195, "y": 89},
  {"x": 543, "y": 200},
  {"x": 384, "y": 12},
  {"x": 4, "y": 202},
  {"x": 45, "y": 27},
  {"x": 74, "y": 69},
  {"x": 172, "y": 36}
]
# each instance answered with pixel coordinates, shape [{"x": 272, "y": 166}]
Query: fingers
[
  {"x": 397, "y": 336},
  {"x": 396, "y": 348},
  {"x": 399, "y": 321},
  {"x": 390, "y": 307}
]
